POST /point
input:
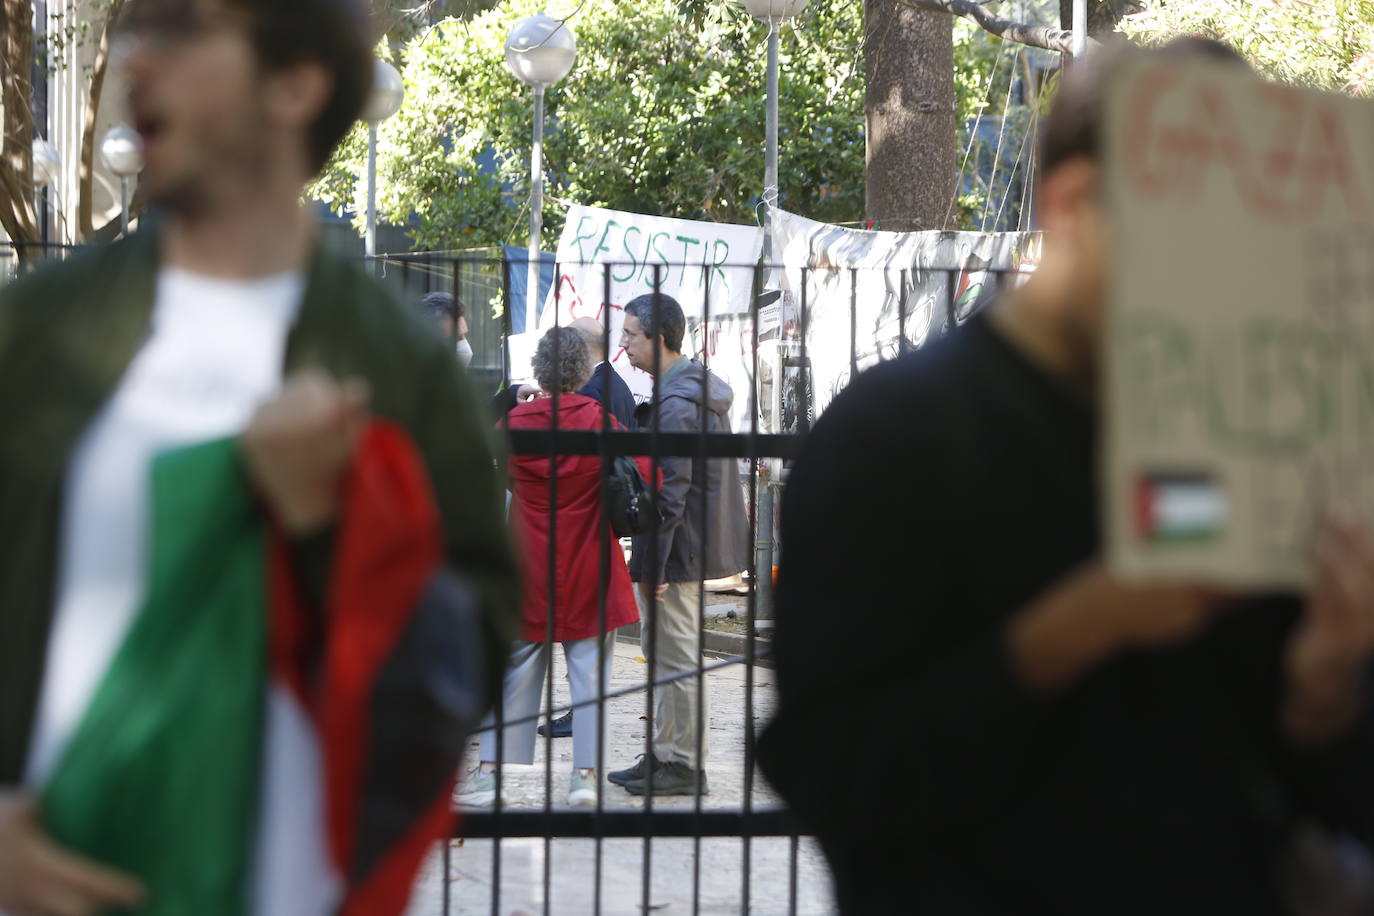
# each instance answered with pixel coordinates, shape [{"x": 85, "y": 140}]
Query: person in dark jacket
[
  {"x": 621, "y": 401},
  {"x": 1011, "y": 729},
  {"x": 704, "y": 535}
]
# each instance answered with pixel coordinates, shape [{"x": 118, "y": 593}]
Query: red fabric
[
  {"x": 578, "y": 530},
  {"x": 387, "y": 890},
  {"x": 388, "y": 547}
]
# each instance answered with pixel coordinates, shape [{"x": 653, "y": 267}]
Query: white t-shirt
[{"x": 216, "y": 350}]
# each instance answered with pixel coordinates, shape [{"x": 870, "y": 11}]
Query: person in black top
[
  {"x": 621, "y": 400},
  {"x": 620, "y": 404},
  {"x": 999, "y": 726}
]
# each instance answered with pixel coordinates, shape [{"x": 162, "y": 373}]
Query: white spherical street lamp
[
  {"x": 388, "y": 92},
  {"x": 122, "y": 150},
  {"x": 773, "y": 10},
  {"x": 540, "y": 51}
]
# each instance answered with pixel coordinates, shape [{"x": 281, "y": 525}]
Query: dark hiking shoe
[
  {"x": 631, "y": 774},
  {"x": 562, "y": 727},
  {"x": 672, "y": 778}
]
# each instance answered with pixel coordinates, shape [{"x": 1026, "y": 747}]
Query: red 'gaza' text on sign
[{"x": 1285, "y": 165}]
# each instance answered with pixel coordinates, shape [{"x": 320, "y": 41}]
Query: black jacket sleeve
[{"x": 505, "y": 401}]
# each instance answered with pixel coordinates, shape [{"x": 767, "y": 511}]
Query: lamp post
[
  {"x": 540, "y": 51},
  {"x": 1080, "y": 28},
  {"x": 122, "y": 150},
  {"x": 47, "y": 167},
  {"x": 388, "y": 92},
  {"x": 773, "y": 12},
  {"x": 47, "y": 163}
]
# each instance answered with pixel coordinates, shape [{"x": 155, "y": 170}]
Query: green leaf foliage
[
  {"x": 663, "y": 114},
  {"x": 1328, "y": 44}
]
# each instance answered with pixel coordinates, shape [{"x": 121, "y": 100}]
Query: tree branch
[
  {"x": 85, "y": 216},
  {"x": 18, "y": 215},
  {"x": 1035, "y": 36}
]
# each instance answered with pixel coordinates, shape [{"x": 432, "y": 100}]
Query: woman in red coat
[{"x": 561, "y": 363}]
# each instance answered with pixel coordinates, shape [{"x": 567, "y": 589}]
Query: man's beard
[{"x": 210, "y": 184}]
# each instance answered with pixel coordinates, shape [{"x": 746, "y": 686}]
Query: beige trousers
[{"x": 675, "y": 648}]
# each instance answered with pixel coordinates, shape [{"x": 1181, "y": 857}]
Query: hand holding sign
[{"x": 1332, "y": 646}]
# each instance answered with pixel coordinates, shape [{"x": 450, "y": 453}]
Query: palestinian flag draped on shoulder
[{"x": 248, "y": 753}]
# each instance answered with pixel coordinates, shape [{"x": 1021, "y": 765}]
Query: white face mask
[{"x": 464, "y": 353}]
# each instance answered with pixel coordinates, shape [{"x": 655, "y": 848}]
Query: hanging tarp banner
[
  {"x": 864, "y": 290},
  {"x": 861, "y": 290},
  {"x": 706, "y": 267}
]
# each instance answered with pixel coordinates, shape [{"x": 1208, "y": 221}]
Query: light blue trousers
[{"x": 523, "y": 692}]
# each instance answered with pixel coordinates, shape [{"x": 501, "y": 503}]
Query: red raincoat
[{"x": 579, "y": 531}]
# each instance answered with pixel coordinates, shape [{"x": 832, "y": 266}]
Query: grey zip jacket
[{"x": 721, "y": 535}]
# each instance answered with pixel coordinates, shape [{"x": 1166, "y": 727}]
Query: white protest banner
[
  {"x": 1240, "y": 365},
  {"x": 865, "y": 289},
  {"x": 704, "y": 266}
]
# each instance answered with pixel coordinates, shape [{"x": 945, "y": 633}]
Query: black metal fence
[{"x": 642, "y": 853}]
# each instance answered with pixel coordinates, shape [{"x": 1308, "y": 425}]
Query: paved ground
[{"x": 716, "y": 867}]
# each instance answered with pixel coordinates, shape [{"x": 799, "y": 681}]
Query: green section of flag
[{"x": 161, "y": 778}]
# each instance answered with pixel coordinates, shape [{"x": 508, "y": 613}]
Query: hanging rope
[
  {"x": 973, "y": 134},
  {"x": 997, "y": 156},
  {"x": 1020, "y": 154},
  {"x": 1028, "y": 188}
]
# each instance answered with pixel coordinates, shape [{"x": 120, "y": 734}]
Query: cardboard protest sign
[{"x": 1240, "y": 333}]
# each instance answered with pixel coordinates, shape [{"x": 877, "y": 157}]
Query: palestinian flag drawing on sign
[
  {"x": 248, "y": 753},
  {"x": 1179, "y": 508}
]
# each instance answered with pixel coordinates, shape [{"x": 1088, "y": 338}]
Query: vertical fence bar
[
  {"x": 551, "y": 592},
  {"x": 448, "y": 874},
  {"x": 604, "y": 577},
  {"x": 651, "y": 599},
  {"x": 702, "y": 473},
  {"x": 902, "y": 345},
  {"x": 500, "y": 718},
  {"x": 793, "y": 845},
  {"x": 853, "y": 323},
  {"x": 508, "y": 322},
  {"x": 750, "y": 644},
  {"x": 803, "y": 322},
  {"x": 951, "y": 284}
]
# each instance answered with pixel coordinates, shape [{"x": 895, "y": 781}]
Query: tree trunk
[
  {"x": 85, "y": 215},
  {"x": 909, "y": 112},
  {"x": 18, "y": 214}
]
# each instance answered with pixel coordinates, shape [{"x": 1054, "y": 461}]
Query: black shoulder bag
[{"x": 632, "y": 507}]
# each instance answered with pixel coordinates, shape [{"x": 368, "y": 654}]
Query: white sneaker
[
  {"x": 584, "y": 789},
  {"x": 480, "y": 791}
]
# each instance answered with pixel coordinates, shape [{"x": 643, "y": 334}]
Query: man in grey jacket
[{"x": 704, "y": 535}]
